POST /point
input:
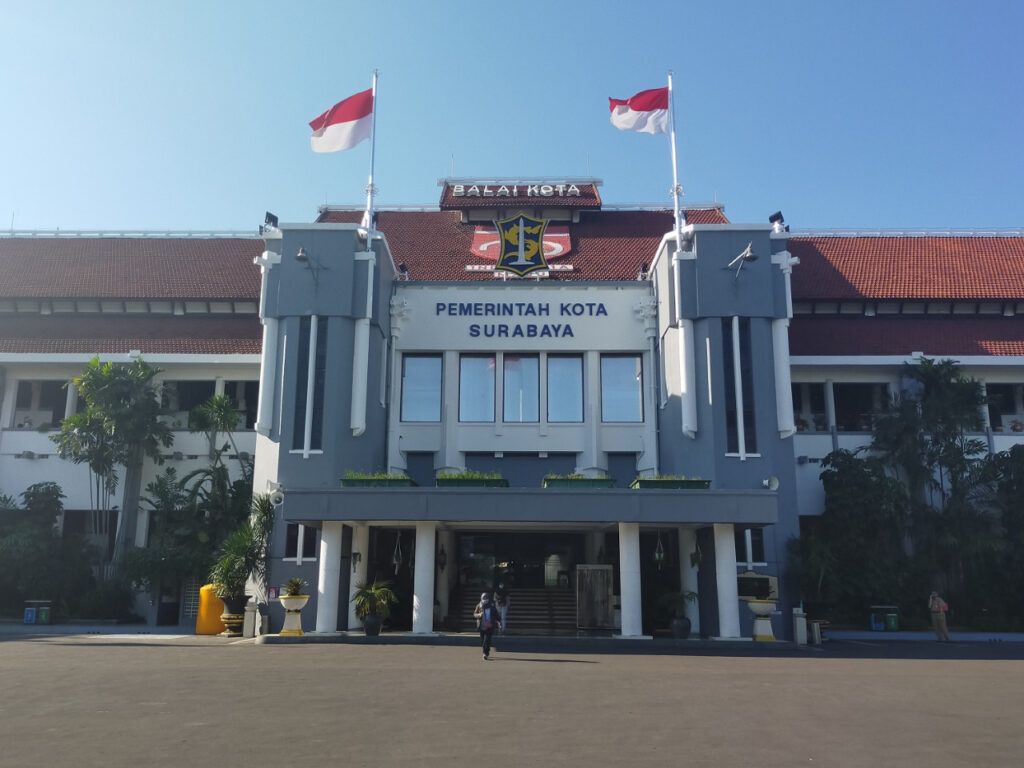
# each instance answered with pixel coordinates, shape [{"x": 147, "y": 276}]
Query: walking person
[
  {"x": 939, "y": 608},
  {"x": 487, "y": 620}
]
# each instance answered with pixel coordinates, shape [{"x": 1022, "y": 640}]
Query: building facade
[{"x": 736, "y": 354}]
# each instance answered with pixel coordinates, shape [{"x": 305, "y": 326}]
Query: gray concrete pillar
[
  {"x": 728, "y": 589},
  {"x": 360, "y": 554},
  {"x": 423, "y": 580},
  {"x": 629, "y": 580}
]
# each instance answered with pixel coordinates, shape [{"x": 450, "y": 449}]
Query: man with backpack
[{"x": 487, "y": 620}]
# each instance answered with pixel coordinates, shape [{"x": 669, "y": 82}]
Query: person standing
[
  {"x": 487, "y": 620},
  {"x": 939, "y": 608}
]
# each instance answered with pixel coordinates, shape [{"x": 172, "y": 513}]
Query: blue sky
[{"x": 193, "y": 115}]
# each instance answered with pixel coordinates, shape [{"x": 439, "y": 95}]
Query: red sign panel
[{"x": 487, "y": 244}]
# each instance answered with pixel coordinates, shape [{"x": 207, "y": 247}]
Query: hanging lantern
[{"x": 659, "y": 553}]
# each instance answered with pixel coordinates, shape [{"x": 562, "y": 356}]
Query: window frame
[
  {"x": 440, "y": 391},
  {"x": 504, "y": 386},
  {"x": 638, "y": 356},
  {"x": 583, "y": 386},
  {"x": 493, "y": 356},
  {"x": 300, "y": 544}
]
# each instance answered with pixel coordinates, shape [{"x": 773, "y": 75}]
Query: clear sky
[{"x": 194, "y": 114}]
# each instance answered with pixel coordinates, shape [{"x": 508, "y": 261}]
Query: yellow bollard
[{"x": 210, "y": 608}]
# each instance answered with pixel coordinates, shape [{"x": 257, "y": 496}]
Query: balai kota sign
[{"x": 502, "y": 193}]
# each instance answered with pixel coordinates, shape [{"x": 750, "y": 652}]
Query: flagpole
[
  {"x": 373, "y": 151},
  {"x": 680, "y": 216}
]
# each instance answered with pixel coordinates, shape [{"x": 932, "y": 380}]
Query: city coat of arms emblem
[{"x": 522, "y": 239}]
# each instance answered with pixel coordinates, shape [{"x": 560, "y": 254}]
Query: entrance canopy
[{"x": 532, "y": 505}]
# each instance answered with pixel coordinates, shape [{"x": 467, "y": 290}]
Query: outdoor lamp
[
  {"x": 442, "y": 559},
  {"x": 356, "y": 559}
]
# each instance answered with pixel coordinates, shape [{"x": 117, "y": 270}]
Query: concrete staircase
[{"x": 531, "y": 612}]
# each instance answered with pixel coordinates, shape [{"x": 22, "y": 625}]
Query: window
[
  {"x": 476, "y": 388},
  {"x": 182, "y": 397},
  {"x": 857, "y": 405},
  {"x": 299, "y": 538},
  {"x": 39, "y": 404},
  {"x": 732, "y": 423},
  {"x": 421, "y": 388},
  {"x": 306, "y": 326},
  {"x": 522, "y": 388},
  {"x": 809, "y": 407},
  {"x": 1005, "y": 407},
  {"x": 622, "y": 388},
  {"x": 750, "y": 547},
  {"x": 565, "y": 389},
  {"x": 245, "y": 396}
]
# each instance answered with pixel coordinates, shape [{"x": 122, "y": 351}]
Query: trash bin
[
  {"x": 878, "y": 618},
  {"x": 210, "y": 608},
  {"x": 43, "y": 614},
  {"x": 30, "y": 614}
]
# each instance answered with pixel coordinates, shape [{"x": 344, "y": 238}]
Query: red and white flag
[
  {"x": 344, "y": 125},
  {"x": 646, "y": 112}
]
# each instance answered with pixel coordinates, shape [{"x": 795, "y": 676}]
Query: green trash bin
[
  {"x": 892, "y": 622},
  {"x": 43, "y": 614}
]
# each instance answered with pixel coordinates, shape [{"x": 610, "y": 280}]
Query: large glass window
[
  {"x": 302, "y": 381},
  {"x": 565, "y": 389},
  {"x": 476, "y": 388},
  {"x": 421, "y": 388},
  {"x": 522, "y": 388},
  {"x": 300, "y": 539},
  {"x": 732, "y": 423},
  {"x": 750, "y": 547},
  {"x": 40, "y": 404},
  {"x": 622, "y": 388},
  {"x": 809, "y": 407}
]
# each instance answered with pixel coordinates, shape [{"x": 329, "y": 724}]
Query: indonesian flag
[
  {"x": 646, "y": 112},
  {"x": 344, "y": 125}
]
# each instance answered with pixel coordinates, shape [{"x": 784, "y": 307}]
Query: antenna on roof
[{"x": 12, "y": 221}]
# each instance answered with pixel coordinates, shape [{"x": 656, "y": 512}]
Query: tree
[
  {"x": 119, "y": 426},
  {"x": 914, "y": 510}
]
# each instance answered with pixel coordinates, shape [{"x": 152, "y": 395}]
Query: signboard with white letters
[{"x": 516, "y": 316}]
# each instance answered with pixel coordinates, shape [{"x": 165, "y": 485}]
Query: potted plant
[
  {"x": 293, "y": 600},
  {"x": 373, "y": 604},
  {"x": 671, "y": 482},
  {"x": 672, "y": 607},
  {"x": 242, "y": 555},
  {"x": 471, "y": 479},
  {"x": 353, "y": 479},
  {"x": 576, "y": 480}
]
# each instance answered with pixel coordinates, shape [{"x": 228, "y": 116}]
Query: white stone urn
[
  {"x": 293, "y": 605},
  {"x": 762, "y": 610}
]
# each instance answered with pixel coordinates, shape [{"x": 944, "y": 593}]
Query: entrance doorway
[{"x": 518, "y": 560}]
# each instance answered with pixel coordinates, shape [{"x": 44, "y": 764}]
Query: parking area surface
[{"x": 183, "y": 701}]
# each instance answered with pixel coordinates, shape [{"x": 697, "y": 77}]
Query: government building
[{"x": 520, "y": 387}]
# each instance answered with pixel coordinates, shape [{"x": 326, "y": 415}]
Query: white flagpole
[
  {"x": 680, "y": 216},
  {"x": 373, "y": 151}
]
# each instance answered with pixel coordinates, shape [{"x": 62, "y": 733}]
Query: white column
[
  {"x": 71, "y": 401},
  {"x": 310, "y": 386},
  {"x": 360, "y": 545},
  {"x": 328, "y": 585},
  {"x": 9, "y": 402},
  {"x": 830, "y": 404},
  {"x": 983, "y": 408},
  {"x": 688, "y": 575},
  {"x": 783, "y": 380},
  {"x": 218, "y": 386},
  {"x": 268, "y": 373},
  {"x": 629, "y": 579},
  {"x": 725, "y": 576},
  {"x": 423, "y": 580}
]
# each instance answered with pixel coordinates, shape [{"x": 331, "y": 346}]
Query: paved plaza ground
[{"x": 131, "y": 700}]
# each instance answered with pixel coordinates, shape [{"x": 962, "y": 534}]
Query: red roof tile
[
  {"x": 839, "y": 336},
  {"x": 606, "y": 245},
  {"x": 129, "y": 267},
  {"x": 976, "y": 267},
  {"x": 94, "y": 334}
]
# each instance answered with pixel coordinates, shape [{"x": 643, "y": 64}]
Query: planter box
[
  {"x": 471, "y": 482},
  {"x": 579, "y": 482},
  {"x": 645, "y": 482},
  {"x": 393, "y": 482}
]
